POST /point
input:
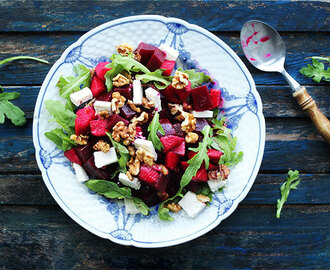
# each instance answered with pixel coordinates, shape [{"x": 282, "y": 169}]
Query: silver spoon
[{"x": 265, "y": 49}]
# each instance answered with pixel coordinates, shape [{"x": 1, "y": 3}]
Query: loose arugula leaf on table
[
  {"x": 63, "y": 116},
  {"x": 153, "y": 128},
  {"x": 10, "y": 59},
  {"x": 123, "y": 154},
  {"x": 8, "y": 109},
  {"x": 292, "y": 181},
  {"x": 60, "y": 138},
  {"x": 156, "y": 77},
  {"x": 317, "y": 71},
  {"x": 196, "y": 78},
  {"x": 112, "y": 191},
  {"x": 68, "y": 85}
]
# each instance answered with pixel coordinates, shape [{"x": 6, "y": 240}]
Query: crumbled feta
[
  {"x": 171, "y": 54},
  {"x": 102, "y": 159},
  {"x": 154, "y": 96},
  {"x": 191, "y": 205},
  {"x": 137, "y": 92},
  {"x": 203, "y": 114},
  {"x": 215, "y": 184},
  {"x": 130, "y": 207},
  {"x": 81, "y": 96},
  {"x": 135, "y": 183},
  {"x": 146, "y": 145},
  {"x": 80, "y": 172},
  {"x": 100, "y": 106}
]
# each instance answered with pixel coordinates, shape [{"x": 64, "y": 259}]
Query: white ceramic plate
[{"x": 198, "y": 49}]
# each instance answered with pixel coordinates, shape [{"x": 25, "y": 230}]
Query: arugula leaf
[
  {"x": 153, "y": 128},
  {"x": 317, "y": 71},
  {"x": 8, "y": 109},
  {"x": 196, "y": 78},
  {"x": 196, "y": 162},
  {"x": 163, "y": 212},
  {"x": 7, "y": 60},
  {"x": 205, "y": 190},
  {"x": 292, "y": 181},
  {"x": 112, "y": 191},
  {"x": 156, "y": 77},
  {"x": 122, "y": 152},
  {"x": 61, "y": 139},
  {"x": 71, "y": 84},
  {"x": 63, "y": 116}
]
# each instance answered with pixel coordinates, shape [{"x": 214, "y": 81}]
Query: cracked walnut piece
[
  {"x": 134, "y": 166},
  {"x": 221, "y": 174},
  {"x": 147, "y": 104},
  {"x": 191, "y": 137},
  {"x": 120, "y": 80},
  {"x": 174, "y": 207},
  {"x": 180, "y": 80},
  {"x": 124, "y": 49},
  {"x": 189, "y": 123},
  {"x": 133, "y": 106},
  {"x": 203, "y": 198},
  {"x": 144, "y": 156},
  {"x": 81, "y": 139},
  {"x": 104, "y": 114},
  {"x": 143, "y": 118},
  {"x": 117, "y": 102},
  {"x": 121, "y": 131},
  {"x": 102, "y": 146}
]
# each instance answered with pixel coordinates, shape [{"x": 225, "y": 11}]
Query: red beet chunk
[
  {"x": 200, "y": 124},
  {"x": 72, "y": 155},
  {"x": 214, "y": 155},
  {"x": 167, "y": 127},
  {"x": 201, "y": 176},
  {"x": 202, "y": 99},
  {"x": 97, "y": 86},
  {"x": 212, "y": 167},
  {"x": 192, "y": 186},
  {"x": 146, "y": 51},
  {"x": 113, "y": 120},
  {"x": 180, "y": 149},
  {"x": 84, "y": 117},
  {"x": 171, "y": 160},
  {"x": 95, "y": 172},
  {"x": 104, "y": 96},
  {"x": 168, "y": 66},
  {"x": 170, "y": 141},
  {"x": 100, "y": 70},
  {"x": 98, "y": 127},
  {"x": 191, "y": 154},
  {"x": 125, "y": 91},
  {"x": 215, "y": 97},
  {"x": 153, "y": 178},
  {"x": 184, "y": 165},
  {"x": 161, "y": 184},
  {"x": 178, "y": 130},
  {"x": 156, "y": 60},
  {"x": 147, "y": 193},
  {"x": 86, "y": 151},
  {"x": 170, "y": 95},
  {"x": 127, "y": 112}
]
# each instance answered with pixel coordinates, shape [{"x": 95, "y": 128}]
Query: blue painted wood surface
[{"x": 36, "y": 233}]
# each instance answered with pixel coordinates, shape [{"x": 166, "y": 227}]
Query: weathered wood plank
[
  {"x": 300, "y": 48},
  {"x": 22, "y": 189},
  {"x": 212, "y": 15},
  {"x": 291, "y": 143},
  {"x": 38, "y": 237}
]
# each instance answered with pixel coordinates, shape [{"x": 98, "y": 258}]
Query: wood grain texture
[
  {"x": 212, "y": 15},
  {"x": 46, "y": 238},
  {"x": 265, "y": 190}
]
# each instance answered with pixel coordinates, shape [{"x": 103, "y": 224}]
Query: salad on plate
[{"x": 138, "y": 129}]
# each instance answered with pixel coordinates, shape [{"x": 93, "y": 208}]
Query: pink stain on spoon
[{"x": 267, "y": 55}]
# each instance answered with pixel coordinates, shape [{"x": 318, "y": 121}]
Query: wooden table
[{"x": 36, "y": 233}]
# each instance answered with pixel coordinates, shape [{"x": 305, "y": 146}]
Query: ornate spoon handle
[{"x": 308, "y": 104}]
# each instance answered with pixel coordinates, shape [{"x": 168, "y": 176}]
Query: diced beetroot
[
  {"x": 86, "y": 151},
  {"x": 170, "y": 96},
  {"x": 97, "y": 86},
  {"x": 98, "y": 127},
  {"x": 167, "y": 127},
  {"x": 214, "y": 155},
  {"x": 168, "y": 66},
  {"x": 184, "y": 165},
  {"x": 127, "y": 112},
  {"x": 84, "y": 117},
  {"x": 178, "y": 130},
  {"x": 212, "y": 167},
  {"x": 201, "y": 176},
  {"x": 201, "y": 97},
  {"x": 113, "y": 120},
  {"x": 72, "y": 155},
  {"x": 95, "y": 172},
  {"x": 125, "y": 91},
  {"x": 153, "y": 178},
  {"x": 192, "y": 186},
  {"x": 161, "y": 184},
  {"x": 146, "y": 51},
  {"x": 200, "y": 124},
  {"x": 100, "y": 70},
  {"x": 147, "y": 194},
  {"x": 191, "y": 154},
  {"x": 156, "y": 60},
  {"x": 171, "y": 160},
  {"x": 170, "y": 142},
  {"x": 215, "y": 97},
  {"x": 180, "y": 149},
  {"x": 104, "y": 96}
]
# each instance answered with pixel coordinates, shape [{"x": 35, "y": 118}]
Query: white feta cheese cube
[
  {"x": 137, "y": 92},
  {"x": 146, "y": 145},
  {"x": 130, "y": 207},
  {"x": 81, "y": 96},
  {"x": 203, "y": 114},
  {"x": 80, "y": 172},
  {"x": 215, "y": 184},
  {"x": 154, "y": 96},
  {"x": 191, "y": 205},
  {"x": 100, "y": 106},
  {"x": 171, "y": 54},
  {"x": 102, "y": 159},
  {"x": 135, "y": 183}
]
